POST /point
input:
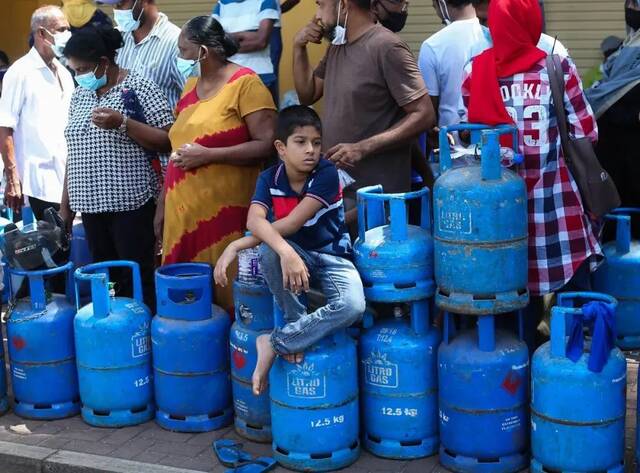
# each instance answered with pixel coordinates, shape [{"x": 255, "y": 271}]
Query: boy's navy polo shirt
[{"x": 325, "y": 232}]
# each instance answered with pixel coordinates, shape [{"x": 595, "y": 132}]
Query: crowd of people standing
[{"x": 163, "y": 134}]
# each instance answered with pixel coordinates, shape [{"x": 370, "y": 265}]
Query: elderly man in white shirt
[{"x": 34, "y": 108}]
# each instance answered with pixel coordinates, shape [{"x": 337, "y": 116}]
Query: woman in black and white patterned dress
[{"x": 110, "y": 178}]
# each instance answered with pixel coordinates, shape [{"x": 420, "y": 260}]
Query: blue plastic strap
[
  {"x": 600, "y": 316},
  {"x": 560, "y": 321}
]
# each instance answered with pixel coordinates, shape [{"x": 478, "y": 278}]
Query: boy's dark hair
[
  {"x": 459, "y": 3},
  {"x": 294, "y": 117}
]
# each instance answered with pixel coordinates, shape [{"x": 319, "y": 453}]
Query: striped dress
[{"x": 206, "y": 208}]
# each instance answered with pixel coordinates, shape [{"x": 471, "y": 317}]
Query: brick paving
[{"x": 148, "y": 443}]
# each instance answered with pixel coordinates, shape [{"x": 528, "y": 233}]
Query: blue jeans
[{"x": 338, "y": 280}]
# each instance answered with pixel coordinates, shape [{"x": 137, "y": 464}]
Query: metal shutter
[
  {"x": 181, "y": 11},
  {"x": 582, "y": 25},
  {"x": 421, "y": 23}
]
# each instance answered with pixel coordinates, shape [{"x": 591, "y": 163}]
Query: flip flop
[
  {"x": 259, "y": 465},
  {"x": 230, "y": 453}
]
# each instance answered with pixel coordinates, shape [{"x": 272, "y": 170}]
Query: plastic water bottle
[{"x": 249, "y": 271}]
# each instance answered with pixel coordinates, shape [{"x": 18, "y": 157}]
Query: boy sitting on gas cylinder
[{"x": 297, "y": 217}]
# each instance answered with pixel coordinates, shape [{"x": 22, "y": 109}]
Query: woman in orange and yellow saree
[{"x": 222, "y": 134}]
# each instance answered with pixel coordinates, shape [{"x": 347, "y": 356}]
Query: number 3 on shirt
[{"x": 536, "y": 133}]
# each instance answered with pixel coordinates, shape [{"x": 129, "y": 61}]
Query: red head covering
[{"x": 515, "y": 26}]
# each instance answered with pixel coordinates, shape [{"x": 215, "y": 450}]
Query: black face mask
[
  {"x": 395, "y": 21},
  {"x": 632, "y": 17}
]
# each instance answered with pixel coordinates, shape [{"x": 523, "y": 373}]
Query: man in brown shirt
[{"x": 375, "y": 100}]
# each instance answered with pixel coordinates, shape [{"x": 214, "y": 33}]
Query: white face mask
[
  {"x": 60, "y": 40},
  {"x": 444, "y": 11},
  {"x": 125, "y": 21},
  {"x": 340, "y": 33}
]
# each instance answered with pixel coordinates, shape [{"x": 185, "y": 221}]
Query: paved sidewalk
[{"x": 71, "y": 446}]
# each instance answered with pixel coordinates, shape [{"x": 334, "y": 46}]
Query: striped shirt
[
  {"x": 155, "y": 58},
  {"x": 325, "y": 232},
  {"x": 236, "y": 16}
]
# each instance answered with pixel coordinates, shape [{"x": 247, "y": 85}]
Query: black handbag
[{"x": 597, "y": 189}]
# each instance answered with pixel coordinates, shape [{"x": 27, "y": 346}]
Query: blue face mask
[
  {"x": 189, "y": 67},
  {"x": 125, "y": 21},
  {"x": 89, "y": 80}
]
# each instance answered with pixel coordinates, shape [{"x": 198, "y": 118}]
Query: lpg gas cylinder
[
  {"x": 190, "y": 337},
  {"x": 577, "y": 415},
  {"x": 395, "y": 259},
  {"x": 41, "y": 348},
  {"x": 314, "y": 406},
  {"x": 480, "y": 222},
  {"x": 80, "y": 254},
  {"x": 483, "y": 376},
  {"x": 113, "y": 351},
  {"x": 254, "y": 316},
  {"x": 398, "y": 385},
  {"x": 619, "y": 276}
]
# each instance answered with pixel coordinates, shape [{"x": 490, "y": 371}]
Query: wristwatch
[{"x": 123, "y": 126}]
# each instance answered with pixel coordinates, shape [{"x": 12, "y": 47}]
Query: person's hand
[
  {"x": 67, "y": 215},
  {"x": 13, "y": 197},
  {"x": 220, "y": 271},
  {"x": 311, "y": 33},
  {"x": 346, "y": 155},
  {"x": 433, "y": 138},
  {"x": 106, "y": 118},
  {"x": 190, "y": 156},
  {"x": 295, "y": 275},
  {"x": 158, "y": 222}
]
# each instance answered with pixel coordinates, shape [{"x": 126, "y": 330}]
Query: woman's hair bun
[
  {"x": 208, "y": 31},
  {"x": 112, "y": 37},
  {"x": 230, "y": 45}
]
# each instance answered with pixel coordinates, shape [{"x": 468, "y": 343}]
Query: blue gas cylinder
[
  {"x": 80, "y": 254},
  {"x": 314, "y": 406},
  {"x": 113, "y": 351},
  {"x": 577, "y": 415},
  {"x": 395, "y": 259},
  {"x": 43, "y": 374},
  {"x": 483, "y": 376},
  {"x": 399, "y": 385},
  {"x": 254, "y": 316},
  {"x": 189, "y": 337},
  {"x": 619, "y": 276},
  {"x": 480, "y": 222}
]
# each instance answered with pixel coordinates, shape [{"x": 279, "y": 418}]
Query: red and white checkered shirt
[{"x": 561, "y": 236}]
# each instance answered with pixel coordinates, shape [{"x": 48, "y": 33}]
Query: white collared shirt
[{"x": 35, "y": 105}]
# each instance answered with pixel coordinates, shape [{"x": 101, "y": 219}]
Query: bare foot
[{"x": 266, "y": 356}]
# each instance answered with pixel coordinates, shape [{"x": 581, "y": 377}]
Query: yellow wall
[
  {"x": 14, "y": 25},
  {"x": 292, "y": 22}
]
